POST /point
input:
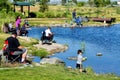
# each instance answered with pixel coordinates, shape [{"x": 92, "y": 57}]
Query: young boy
[{"x": 79, "y": 61}]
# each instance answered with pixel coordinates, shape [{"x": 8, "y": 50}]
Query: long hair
[{"x": 17, "y": 18}]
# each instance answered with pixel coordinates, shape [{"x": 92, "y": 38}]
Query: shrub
[
  {"x": 118, "y": 10},
  {"x": 59, "y": 14},
  {"x": 20, "y": 14},
  {"x": 41, "y": 52},
  {"x": 32, "y": 15},
  {"x": 40, "y": 15},
  {"x": 49, "y": 14}
]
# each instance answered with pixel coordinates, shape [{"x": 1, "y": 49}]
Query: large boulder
[{"x": 53, "y": 60}]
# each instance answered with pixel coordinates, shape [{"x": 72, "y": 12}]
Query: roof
[{"x": 23, "y": 4}]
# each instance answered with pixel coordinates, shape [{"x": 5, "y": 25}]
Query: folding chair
[
  {"x": 14, "y": 58},
  {"x": 10, "y": 57}
]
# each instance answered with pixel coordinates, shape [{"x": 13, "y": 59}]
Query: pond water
[{"x": 105, "y": 40}]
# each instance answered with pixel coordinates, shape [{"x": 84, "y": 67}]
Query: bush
[
  {"x": 49, "y": 14},
  {"x": 40, "y": 15},
  {"x": 3, "y": 14},
  {"x": 41, "y": 52},
  {"x": 11, "y": 13},
  {"x": 59, "y": 14},
  {"x": 19, "y": 14},
  {"x": 32, "y": 15}
]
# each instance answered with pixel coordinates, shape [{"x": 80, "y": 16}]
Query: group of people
[
  {"x": 12, "y": 45},
  {"x": 78, "y": 19},
  {"x": 21, "y": 30},
  {"x": 16, "y": 49}
]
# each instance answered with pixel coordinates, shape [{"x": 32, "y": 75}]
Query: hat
[{"x": 14, "y": 32}]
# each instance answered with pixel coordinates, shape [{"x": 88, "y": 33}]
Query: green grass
[{"x": 51, "y": 72}]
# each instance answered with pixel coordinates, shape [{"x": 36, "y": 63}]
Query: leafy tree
[
  {"x": 114, "y": 3},
  {"x": 44, "y": 5},
  {"x": 99, "y": 3},
  {"x": 18, "y": 0},
  {"x": 5, "y": 4},
  {"x": 91, "y": 2},
  {"x": 68, "y": 1},
  {"x": 63, "y": 2},
  {"x": 80, "y": 4},
  {"x": 107, "y": 2},
  {"x": 75, "y": 1}
]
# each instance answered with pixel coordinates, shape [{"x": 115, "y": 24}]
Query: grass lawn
[{"x": 51, "y": 72}]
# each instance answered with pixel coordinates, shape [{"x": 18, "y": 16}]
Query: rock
[
  {"x": 99, "y": 54},
  {"x": 75, "y": 58},
  {"x": 69, "y": 67},
  {"x": 53, "y": 60},
  {"x": 53, "y": 48},
  {"x": 72, "y": 58}
]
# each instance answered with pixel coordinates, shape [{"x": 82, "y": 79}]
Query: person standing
[
  {"x": 17, "y": 24},
  {"x": 74, "y": 15},
  {"x": 79, "y": 61}
]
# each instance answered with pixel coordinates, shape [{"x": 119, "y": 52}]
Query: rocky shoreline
[{"x": 53, "y": 48}]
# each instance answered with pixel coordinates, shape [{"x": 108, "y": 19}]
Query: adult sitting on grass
[{"x": 15, "y": 48}]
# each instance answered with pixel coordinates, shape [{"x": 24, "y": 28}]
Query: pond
[{"x": 103, "y": 40}]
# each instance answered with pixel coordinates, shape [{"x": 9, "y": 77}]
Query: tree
[
  {"x": 113, "y": 3},
  {"x": 75, "y": 1},
  {"x": 63, "y": 2},
  {"x": 18, "y": 0},
  {"x": 4, "y": 4},
  {"x": 44, "y": 5},
  {"x": 80, "y": 4},
  {"x": 107, "y": 2},
  {"x": 99, "y": 3},
  {"x": 91, "y": 2}
]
